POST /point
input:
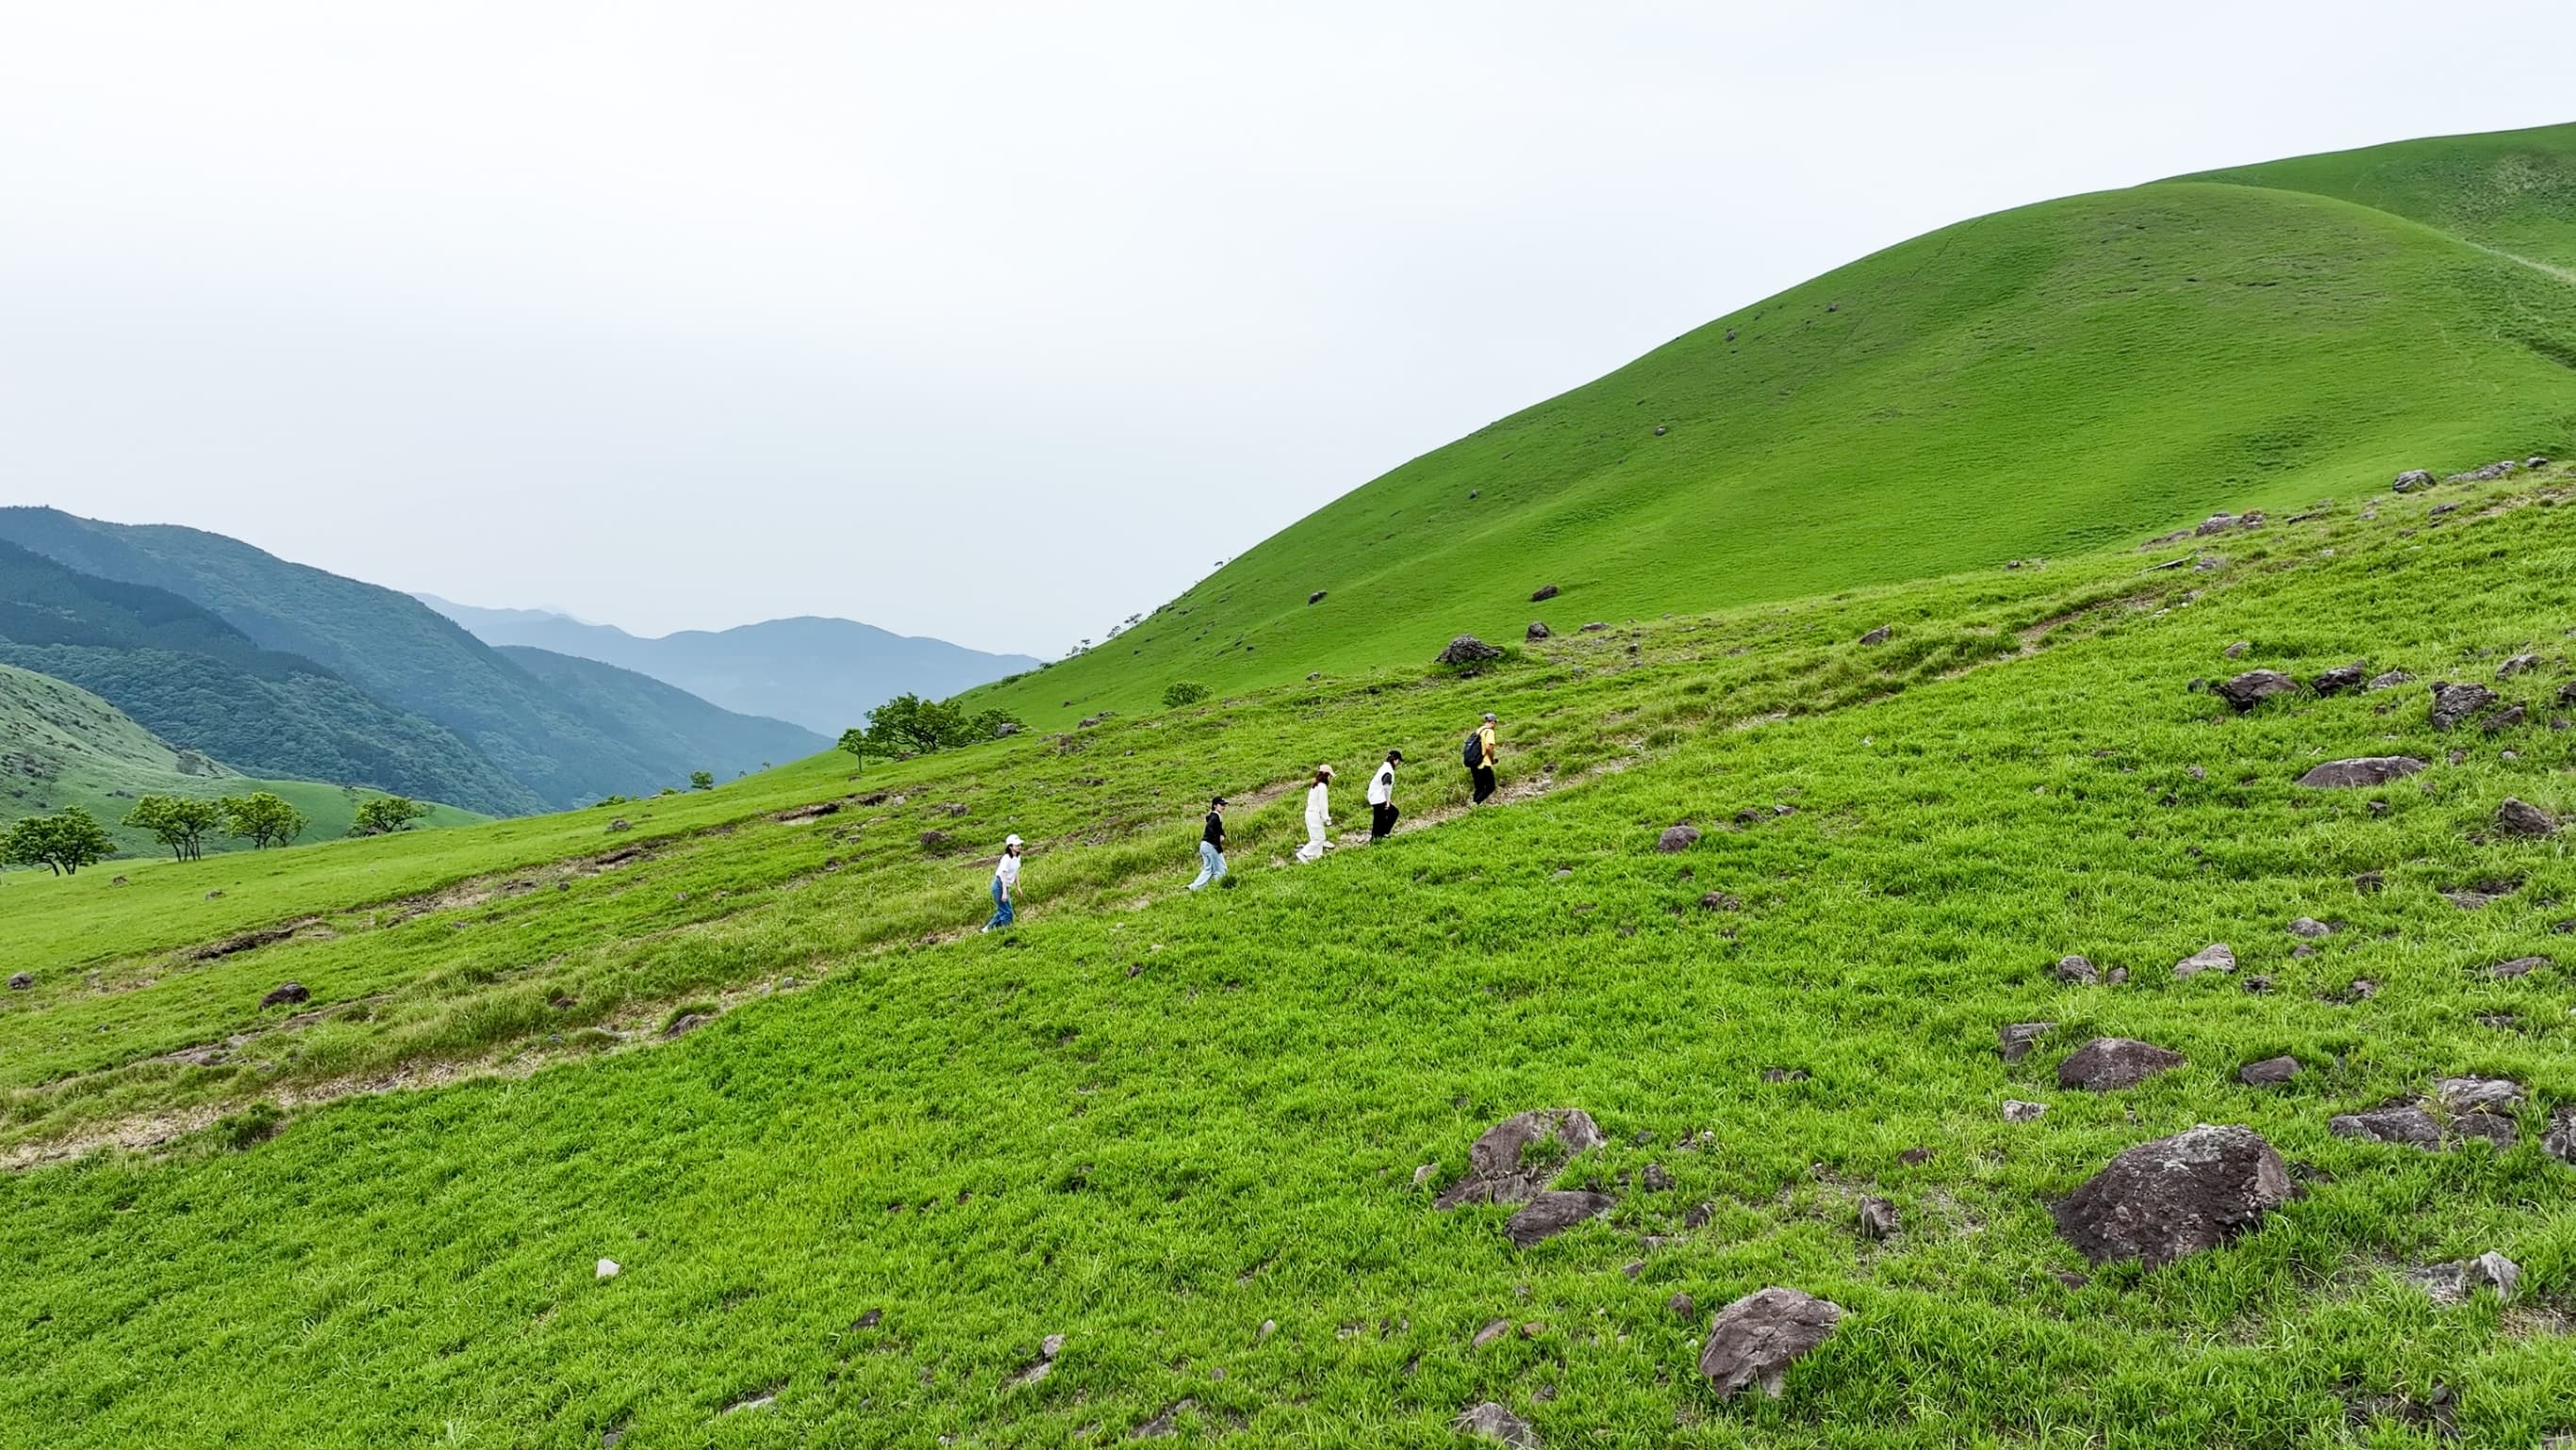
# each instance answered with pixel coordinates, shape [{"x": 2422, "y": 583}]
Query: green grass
[
  {"x": 2028, "y": 384},
  {"x": 1152, "y": 1122},
  {"x": 68, "y": 747}
]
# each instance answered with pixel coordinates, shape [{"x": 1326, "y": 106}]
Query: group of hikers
[{"x": 1477, "y": 754}]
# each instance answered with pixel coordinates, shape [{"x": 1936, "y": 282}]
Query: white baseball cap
[{"x": 1010, "y": 840}]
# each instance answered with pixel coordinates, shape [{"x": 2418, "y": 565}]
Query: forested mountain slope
[{"x": 645, "y": 708}]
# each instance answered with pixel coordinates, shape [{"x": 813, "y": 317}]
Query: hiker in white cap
[
  {"x": 1319, "y": 815},
  {"x": 1006, "y": 880}
]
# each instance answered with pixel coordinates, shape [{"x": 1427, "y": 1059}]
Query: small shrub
[{"x": 1183, "y": 692}]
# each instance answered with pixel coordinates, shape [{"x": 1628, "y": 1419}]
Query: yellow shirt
[{"x": 1485, "y": 733}]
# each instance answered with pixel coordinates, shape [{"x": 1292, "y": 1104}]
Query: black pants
[
  {"x": 1484, "y": 783},
  {"x": 1381, "y": 821}
]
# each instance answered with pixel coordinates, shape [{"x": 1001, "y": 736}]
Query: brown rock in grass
[{"x": 1755, "y": 1339}]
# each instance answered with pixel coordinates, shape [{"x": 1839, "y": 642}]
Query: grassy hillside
[
  {"x": 68, "y": 747},
  {"x": 1183, "y": 1132},
  {"x": 197, "y": 681},
  {"x": 397, "y": 649},
  {"x": 644, "y": 708},
  {"x": 823, "y": 674},
  {"x": 2023, "y": 385},
  {"x": 2511, "y": 190}
]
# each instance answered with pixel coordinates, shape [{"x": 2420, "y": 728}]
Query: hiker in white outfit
[{"x": 1319, "y": 815}]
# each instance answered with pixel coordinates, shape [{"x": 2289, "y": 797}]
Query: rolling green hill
[
  {"x": 1161, "y": 1162},
  {"x": 67, "y": 747},
  {"x": 2022, "y": 385},
  {"x": 559, "y": 750},
  {"x": 191, "y": 678}
]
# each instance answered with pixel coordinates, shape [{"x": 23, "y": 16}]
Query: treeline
[{"x": 72, "y": 838}]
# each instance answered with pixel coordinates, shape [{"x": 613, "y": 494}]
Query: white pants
[{"x": 1313, "y": 850}]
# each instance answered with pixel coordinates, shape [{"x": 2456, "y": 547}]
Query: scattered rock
[
  {"x": 2075, "y": 971},
  {"x": 1755, "y": 1339},
  {"x": 286, "y": 995},
  {"x": 1878, "y": 635},
  {"x": 1915, "y": 1157},
  {"x": 1315, "y": 598},
  {"x": 1538, "y": 629},
  {"x": 2462, "y": 1095},
  {"x": 2258, "y": 985},
  {"x": 1542, "y": 594},
  {"x": 616, "y": 825},
  {"x": 2413, "y": 479},
  {"x": 2310, "y": 928},
  {"x": 1784, "y": 1074},
  {"x": 2518, "y": 967},
  {"x": 2511, "y": 718},
  {"x": 1681, "y": 1305},
  {"x": 2237, "y": 650},
  {"x": 1676, "y": 838},
  {"x": 2388, "y": 681},
  {"x": 2455, "y": 703},
  {"x": 21, "y": 981},
  {"x": 2341, "y": 678},
  {"x": 2395, "y": 1123},
  {"x": 1466, "y": 649},
  {"x": 2484, "y": 473},
  {"x": 686, "y": 1023},
  {"x": 1493, "y": 1422},
  {"x": 2559, "y": 1141},
  {"x": 606, "y": 1269},
  {"x": 2516, "y": 665},
  {"x": 2017, "y": 1111},
  {"x": 1595, "y": 627},
  {"x": 2369, "y": 883},
  {"x": 1166, "y": 1424},
  {"x": 2362, "y": 989},
  {"x": 2215, "y": 957},
  {"x": 1878, "y": 1219},
  {"x": 2365, "y": 770},
  {"x": 1491, "y": 1332},
  {"x": 2254, "y": 687},
  {"x": 1500, "y": 1167},
  {"x": 936, "y": 840},
  {"x": 2456, "y": 1283},
  {"x": 1552, "y": 1212},
  {"x": 2015, "y": 1039},
  {"x": 2521, "y": 818},
  {"x": 2270, "y": 1072},
  {"x": 2174, "y": 1197},
  {"x": 2106, "y": 1063},
  {"x": 1719, "y": 901}
]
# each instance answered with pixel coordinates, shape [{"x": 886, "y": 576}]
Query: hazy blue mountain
[
  {"x": 824, "y": 674},
  {"x": 563, "y": 748},
  {"x": 202, "y": 685},
  {"x": 646, "y": 708}
]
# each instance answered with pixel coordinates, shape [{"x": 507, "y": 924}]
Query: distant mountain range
[
  {"x": 824, "y": 674},
  {"x": 275, "y": 668}
]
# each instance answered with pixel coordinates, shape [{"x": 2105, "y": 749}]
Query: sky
[{"x": 1001, "y": 322}]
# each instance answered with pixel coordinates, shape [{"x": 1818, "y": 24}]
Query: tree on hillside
[
  {"x": 386, "y": 814},
  {"x": 702, "y": 780},
  {"x": 66, "y": 841},
  {"x": 910, "y": 725},
  {"x": 1183, "y": 692},
  {"x": 177, "y": 821},
  {"x": 262, "y": 818}
]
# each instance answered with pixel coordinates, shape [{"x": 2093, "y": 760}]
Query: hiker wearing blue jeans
[
  {"x": 1212, "y": 845},
  {"x": 1006, "y": 879}
]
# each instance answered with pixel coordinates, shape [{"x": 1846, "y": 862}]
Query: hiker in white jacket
[
  {"x": 1381, "y": 797},
  {"x": 1319, "y": 815}
]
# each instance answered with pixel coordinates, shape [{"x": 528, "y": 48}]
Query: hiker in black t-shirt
[{"x": 1212, "y": 845}]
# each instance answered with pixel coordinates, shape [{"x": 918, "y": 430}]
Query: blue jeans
[
  {"x": 1001, "y": 906},
  {"x": 1211, "y": 865}
]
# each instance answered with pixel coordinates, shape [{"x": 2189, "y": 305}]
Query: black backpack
[{"x": 1475, "y": 748}]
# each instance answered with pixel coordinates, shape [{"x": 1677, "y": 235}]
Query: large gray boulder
[
  {"x": 2518, "y": 817},
  {"x": 2175, "y": 1197},
  {"x": 2365, "y": 770},
  {"x": 2106, "y": 1063},
  {"x": 1517, "y": 1157},
  {"x": 2455, "y": 703},
  {"x": 1466, "y": 649},
  {"x": 1755, "y": 1339},
  {"x": 2413, "y": 479},
  {"x": 2254, "y": 687}
]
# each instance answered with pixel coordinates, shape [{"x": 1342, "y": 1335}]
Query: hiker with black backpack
[{"x": 1479, "y": 757}]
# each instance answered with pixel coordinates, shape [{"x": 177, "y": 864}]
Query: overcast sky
[{"x": 1001, "y": 322}]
